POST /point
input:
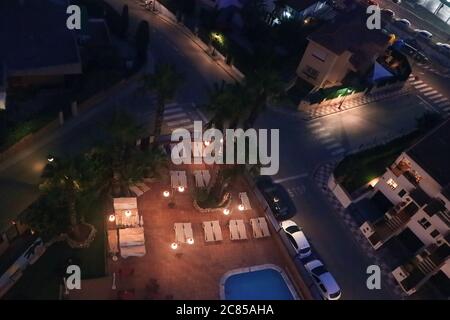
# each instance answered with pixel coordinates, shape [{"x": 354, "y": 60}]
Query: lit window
[
  {"x": 391, "y": 183},
  {"x": 424, "y": 223}
]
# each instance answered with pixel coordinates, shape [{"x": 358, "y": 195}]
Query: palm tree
[
  {"x": 61, "y": 181},
  {"x": 164, "y": 82},
  {"x": 262, "y": 86}
]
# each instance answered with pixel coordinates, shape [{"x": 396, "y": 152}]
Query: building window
[
  {"x": 322, "y": 56},
  {"x": 311, "y": 72},
  {"x": 402, "y": 193},
  {"x": 434, "y": 233},
  {"x": 424, "y": 223},
  {"x": 391, "y": 183}
]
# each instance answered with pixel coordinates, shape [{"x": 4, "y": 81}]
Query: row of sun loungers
[
  {"x": 213, "y": 231},
  {"x": 183, "y": 232},
  {"x": 178, "y": 179},
  {"x": 202, "y": 178},
  {"x": 245, "y": 201},
  {"x": 139, "y": 189}
]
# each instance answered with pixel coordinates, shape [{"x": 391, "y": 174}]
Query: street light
[
  {"x": 241, "y": 207},
  {"x": 190, "y": 241},
  {"x": 50, "y": 159},
  {"x": 166, "y": 194},
  {"x": 112, "y": 217},
  {"x": 180, "y": 189},
  {"x": 128, "y": 213},
  {"x": 174, "y": 245},
  {"x": 226, "y": 211}
]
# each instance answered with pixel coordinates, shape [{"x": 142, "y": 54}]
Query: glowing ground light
[
  {"x": 174, "y": 246},
  {"x": 166, "y": 194},
  {"x": 181, "y": 189},
  {"x": 207, "y": 143},
  {"x": 190, "y": 241},
  {"x": 112, "y": 217},
  {"x": 226, "y": 211},
  {"x": 241, "y": 207},
  {"x": 51, "y": 159},
  {"x": 128, "y": 213}
]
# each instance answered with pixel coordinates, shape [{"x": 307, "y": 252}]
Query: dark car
[{"x": 275, "y": 198}]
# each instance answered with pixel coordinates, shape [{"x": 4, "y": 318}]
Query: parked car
[
  {"x": 397, "y": 1},
  {"x": 326, "y": 283},
  {"x": 410, "y": 51},
  {"x": 424, "y": 34},
  {"x": 387, "y": 13},
  {"x": 297, "y": 238},
  {"x": 443, "y": 48},
  {"x": 402, "y": 23},
  {"x": 275, "y": 199}
]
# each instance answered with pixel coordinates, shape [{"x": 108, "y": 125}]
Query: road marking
[
  {"x": 174, "y": 116},
  {"x": 318, "y": 130},
  {"x": 173, "y": 110},
  {"x": 299, "y": 176},
  {"x": 435, "y": 96},
  {"x": 324, "y": 134},
  {"x": 338, "y": 152},
  {"x": 314, "y": 124},
  {"x": 441, "y": 100},
  {"x": 327, "y": 140},
  {"x": 334, "y": 146},
  {"x": 447, "y": 103},
  {"x": 178, "y": 122},
  {"x": 430, "y": 93},
  {"x": 191, "y": 126},
  {"x": 426, "y": 89},
  {"x": 420, "y": 86}
]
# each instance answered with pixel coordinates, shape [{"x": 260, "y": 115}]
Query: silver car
[{"x": 324, "y": 280}]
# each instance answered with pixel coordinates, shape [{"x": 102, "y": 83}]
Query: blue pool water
[{"x": 267, "y": 284}]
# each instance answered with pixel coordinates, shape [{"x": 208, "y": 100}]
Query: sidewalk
[{"x": 347, "y": 104}]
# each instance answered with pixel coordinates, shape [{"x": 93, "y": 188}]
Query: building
[
  {"x": 341, "y": 47},
  {"x": 415, "y": 192},
  {"x": 41, "y": 51},
  {"x": 301, "y": 9}
]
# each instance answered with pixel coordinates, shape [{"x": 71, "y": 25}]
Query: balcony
[
  {"x": 412, "y": 275},
  {"x": 391, "y": 224},
  {"x": 399, "y": 168}
]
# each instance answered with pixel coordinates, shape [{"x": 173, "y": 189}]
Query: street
[{"x": 303, "y": 145}]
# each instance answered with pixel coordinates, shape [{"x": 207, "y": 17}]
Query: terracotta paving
[{"x": 191, "y": 271}]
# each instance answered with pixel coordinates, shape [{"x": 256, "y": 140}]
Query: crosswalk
[
  {"x": 180, "y": 115},
  {"x": 433, "y": 97},
  {"x": 334, "y": 147}
]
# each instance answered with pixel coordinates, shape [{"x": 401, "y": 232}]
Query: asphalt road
[{"x": 302, "y": 148}]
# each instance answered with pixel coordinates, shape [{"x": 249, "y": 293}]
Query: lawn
[
  {"x": 41, "y": 281},
  {"x": 358, "y": 169}
]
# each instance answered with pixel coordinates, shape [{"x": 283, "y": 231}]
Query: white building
[{"x": 417, "y": 185}]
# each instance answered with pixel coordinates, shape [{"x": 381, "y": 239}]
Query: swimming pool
[{"x": 264, "y": 282}]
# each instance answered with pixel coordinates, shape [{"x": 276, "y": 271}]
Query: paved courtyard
[{"x": 191, "y": 271}]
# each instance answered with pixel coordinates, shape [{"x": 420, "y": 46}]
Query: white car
[
  {"x": 403, "y": 23},
  {"x": 297, "y": 238},
  {"x": 423, "y": 34},
  {"x": 443, "y": 47},
  {"x": 324, "y": 280}
]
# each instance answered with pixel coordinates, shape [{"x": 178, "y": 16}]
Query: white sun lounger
[
  {"x": 209, "y": 235},
  {"x": 217, "y": 230},
  {"x": 142, "y": 186},
  {"x": 245, "y": 201},
  {"x": 199, "y": 179},
  {"x": 182, "y": 178},
  {"x": 206, "y": 177},
  {"x": 242, "y": 231},
  {"x": 179, "y": 232},
  {"x": 264, "y": 227},
  {"x": 113, "y": 241},
  {"x": 234, "y": 232},
  {"x": 138, "y": 192},
  {"x": 188, "y": 234},
  {"x": 257, "y": 232}
]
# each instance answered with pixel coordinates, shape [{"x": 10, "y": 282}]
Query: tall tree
[
  {"x": 142, "y": 41},
  {"x": 262, "y": 86},
  {"x": 124, "y": 20},
  {"x": 165, "y": 83}
]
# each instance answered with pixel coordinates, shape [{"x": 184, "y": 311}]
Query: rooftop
[
  {"x": 348, "y": 32},
  {"x": 300, "y": 5},
  {"x": 40, "y": 39},
  {"x": 432, "y": 153}
]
